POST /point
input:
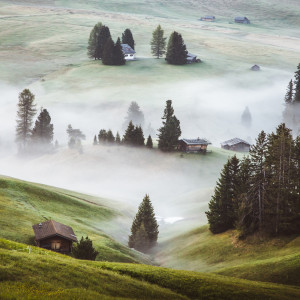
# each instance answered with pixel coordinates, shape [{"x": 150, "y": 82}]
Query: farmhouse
[
  {"x": 192, "y": 58},
  {"x": 255, "y": 68},
  {"x": 128, "y": 52},
  {"x": 243, "y": 20},
  {"x": 54, "y": 236},
  {"x": 236, "y": 144},
  {"x": 193, "y": 145},
  {"x": 208, "y": 18}
]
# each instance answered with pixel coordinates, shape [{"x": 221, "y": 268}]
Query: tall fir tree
[
  {"x": 93, "y": 41},
  {"x": 127, "y": 38},
  {"x": 110, "y": 137},
  {"x": 176, "y": 50},
  {"x": 108, "y": 53},
  {"x": 289, "y": 96},
  {"x": 135, "y": 115},
  {"x": 139, "y": 136},
  {"x": 103, "y": 37},
  {"x": 42, "y": 132},
  {"x": 149, "y": 143},
  {"x": 129, "y": 136},
  {"x": 297, "y": 85},
  {"x": 26, "y": 112},
  {"x": 144, "y": 229},
  {"x": 95, "y": 142},
  {"x": 170, "y": 131},
  {"x": 118, "y": 138},
  {"x": 158, "y": 42},
  {"x": 118, "y": 55},
  {"x": 246, "y": 118},
  {"x": 102, "y": 136}
]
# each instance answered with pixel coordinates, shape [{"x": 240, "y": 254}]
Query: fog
[{"x": 179, "y": 188}]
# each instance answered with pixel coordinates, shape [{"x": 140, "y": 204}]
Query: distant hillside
[
  {"x": 43, "y": 274},
  {"x": 23, "y": 204},
  {"x": 272, "y": 260}
]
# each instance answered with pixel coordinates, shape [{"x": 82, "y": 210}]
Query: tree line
[{"x": 260, "y": 193}]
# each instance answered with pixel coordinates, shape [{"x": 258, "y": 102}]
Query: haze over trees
[
  {"x": 135, "y": 115},
  {"x": 246, "y": 118},
  {"x": 127, "y": 38},
  {"x": 75, "y": 136},
  {"x": 260, "y": 193},
  {"x": 25, "y": 113},
  {"x": 158, "y": 42},
  {"x": 176, "y": 50},
  {"x": 170, "y": 131},
  {"x": 144, "y": 229},
  {"x": 133, "y": 135}
]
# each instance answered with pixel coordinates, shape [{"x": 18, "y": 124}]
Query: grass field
[{"x": 44, "y": 274}]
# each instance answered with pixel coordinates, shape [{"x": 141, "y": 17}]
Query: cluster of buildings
[{"x": 242, "y": 20}]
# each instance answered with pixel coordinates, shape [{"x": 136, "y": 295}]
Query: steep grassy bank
[
  {"x": 23, "y": 204},
  {"x": 44, "y": 274}
]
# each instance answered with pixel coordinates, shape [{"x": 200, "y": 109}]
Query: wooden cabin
[
  {"x": 192, "y": 58},
  {"x": 208, "y": 18},
  {"x": 243, "y": 20},
  {"x": 129, "y": 53},
  {"x": 193, "y": 145},
  {"x": 255, "y": 68},
  {"x": 236, "y": 144},
  {"x": 54, "y": 236}
]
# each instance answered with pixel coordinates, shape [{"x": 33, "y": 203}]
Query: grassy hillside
[
  {"x": 273, "y": 260},
  {"x": 44, "y": 274},
  {"x": 23, "y": 204}
]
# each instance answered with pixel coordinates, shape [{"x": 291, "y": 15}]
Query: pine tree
[
  {"x": 103, "y": 37},
  {"x": 158, "y": 42},
  {"x": 108, "y": 55},
  {"x": 118, "y": 139},
  {"x": 75, "y": 137},
  {"x": 176, "y": 50},
  {"x": 297, "y": 86},
  {"x": 149, "y": 143},
  {"x": 135, "y": 115},
  {"x": 289, "y": 96},
  {"x": 102, "y": 136},
  {"x": 145, "y": 238},
  {"x": 129, "y": 136},
  {"x": 127, "y": 38},
  {"x": 139, "y": 136},
  {"x": 85, "y": 250},
  {"x": 246, "y": 118},
  {"x": 42, "y": 132},
  {"x": 93, "y": 40},
  {"x": 95, "y": 141},
  {"x": 110, "y": 137},
  {"x": 118, "y": 55},
  {"x": 26, "y": 112},
  {"x": 170, "y": 131}
]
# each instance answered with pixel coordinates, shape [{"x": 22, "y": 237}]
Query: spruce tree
[
  {"x": 102, "y": 136},
  {"x": 143, "y": 239},
  {"x": 95, "y": 142},
  {"x": 93, "y": 41},
  {"x": 158, "y": 42},
  {"x": 135, "y": 115},
  {"x": 103, "y": 37},
  {"x": 297, "y": 85},
  {"x": 129, "y": 136},
  {"x": 118, "y": 55},
  {"x": 85, "y": 249},
  {"x": 170, "y": 131},
  {"x": 246, "y": 118},
  {"x": 75, "y": 137},
  {"x": 42, "y": 132},
  {"x": 110, "y": 137},
  {"x": 139, "y": 139},
  {"x": 118, "y": 139},
  {"x": 26, "y": 112},
  {"x": 127, "y": 38},
  {"x": 108, "y": 55},
  {"x": 176, "y": 50},
  {"x": 149, "y": 143},
  {"x": 289, "y": 96}
]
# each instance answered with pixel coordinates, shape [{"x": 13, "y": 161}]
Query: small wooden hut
[
  {"x": 208, "y": 18},
  {"x": 193, "y": 145},
  {"x": 236, "y": 144},
  {"x": 54, "y": 236},
  {"x": 243, "y": 20},
  {"x": 255, "y": 68}
]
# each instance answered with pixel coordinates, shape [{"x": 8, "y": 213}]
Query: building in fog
[
  {"x": 243, "y": 20},
  {"x": 129, "y": 53},
  {"x": 208, "y": 18},
  {"x": 255, "y": 68},
  {"x": 236, "y": 144},
  {"x": 193, "y": 145},
  {"x": 54, "y": 236},
  {"x": 192, "y": 58}
]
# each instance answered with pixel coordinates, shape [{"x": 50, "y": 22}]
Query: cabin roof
[
  {"x": 52, "y": 228},
  {"x": 208, "y": 17},
  {"x": 190, "y": 55},
  {"x": 240, "y": 18},
  {"x": 197, "y": 141},
  {"x": 234, "y": 141},
  {"x": 255, "y": 67},
  {"x": 127, "y": 49}
]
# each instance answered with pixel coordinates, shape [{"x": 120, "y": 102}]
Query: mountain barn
[
  {"x": 193, "y": 145},
  {"x": 208, "y": 18},
  {"x": 243, "y": 20},
  {"x": 255, "y": 68},
  {"x": 54, "y": 236},
  {"x": 129, "y": 53},
  {"x": 192, "y": 58},
  {"x": 236, "y": 144}
]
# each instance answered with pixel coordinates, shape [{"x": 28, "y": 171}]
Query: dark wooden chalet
[
  {"x": 255, "y": 68},
  {"x": 236, "y": 144},
  {"x": 54, "y": 236},
  {"x": 243, "y": 20},
  {"x": 208, "y": 18},
  {"x": 192, "y": 58},
  {"x": 193, "y": 146}
]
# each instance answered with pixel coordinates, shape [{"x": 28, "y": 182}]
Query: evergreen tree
[
  {"x": 118, "y": 55},
  {"x": 139, "y": 139},
  {"x": 246, "y": 118},
  {"x": 118, "y": 139},
  {"x": 144, "y": 229},
  {"x": 176, "y": 50},
  {"x": 85, "y": 250},
  {"x": 95, "y": 141},
  {"x": 108, "y": 55},
  {"x": 75, "y": 137},
  {"x": 103, "y": 37},
  {"x": 149, "y": 143},
  {"x": 93, "y": 41},
  {"x": 110, "y": 137},
  {"x": 129, "y": 136},
  {"x": 297, "y": 86},
  {"x": 42, "y": 132},
  {"x": 158, "y": 42},
  {"x": 170, "y": 131},
  {"x": 102, "y": 136},
  {"x": 127, "y": 38},
  {"x": 135, "y": 115},
  {"x": 26, "y": 112},
  {"x": 289, "y": 96}
]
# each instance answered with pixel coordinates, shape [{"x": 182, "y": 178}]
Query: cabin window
[{"x": 55, "y": 245}]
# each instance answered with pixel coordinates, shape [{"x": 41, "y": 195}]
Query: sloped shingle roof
[
  {"x": 127, "y": 49},
  {"x": 52, "y": 228},
  {"x": 234, "y": 141},
  {"x": 196, "y": 141}
]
